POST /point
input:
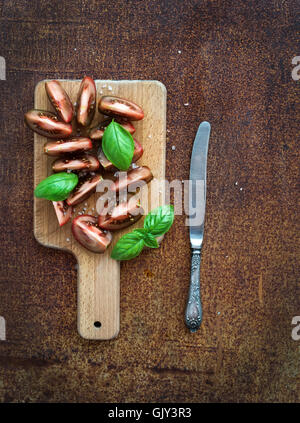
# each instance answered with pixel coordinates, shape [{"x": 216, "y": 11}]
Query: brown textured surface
[{"x": 235, "y": 71}]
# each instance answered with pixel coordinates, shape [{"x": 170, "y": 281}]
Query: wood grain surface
[
  {"x": 98, "y": 286},
  {"x": 231, "y": 62}
]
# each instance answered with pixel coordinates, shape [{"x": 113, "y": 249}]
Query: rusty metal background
[{"x": 231, "y": 61}]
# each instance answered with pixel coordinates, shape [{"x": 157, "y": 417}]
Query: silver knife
[{"x": 197, "y": 199}]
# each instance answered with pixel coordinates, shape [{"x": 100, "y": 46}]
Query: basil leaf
[
  {"x": 159, "y": 220},
  {"x": 148, "y": 238},
  {"x": 156, "y": 223},
  {"x": 128, "y": 247},
  {"x": 118, "y": 145},
  {"x": 141, "y": 231},
  {"x": 56, "y": 187}
]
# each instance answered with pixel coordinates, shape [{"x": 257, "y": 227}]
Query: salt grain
[
  {"x": 150, "y": 136},
  {"x": 186, "y": 104},
  {"x": 236, "y": 183},
  {"x": 173, "y": 147},
  {"x": 179, "y": 51},
  {"x": 75, "y": 49},
  {"x": 241, "y": 189},
  {"x": 110, "y": 88},
  {"x": 68, "y": 239}
]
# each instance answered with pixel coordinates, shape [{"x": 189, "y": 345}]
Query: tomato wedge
[
  {"x": 117, "y": 106},
  {"x": 107, "y": 165},
  {"x": 60, "y": 100},
  {"x": 47, "y": 124},
  {"x": 89, "y": 235},
  {"x": 84, "y": 189},
  {"x": 63, "y": 212},
  {"x": 97, "y": 132},
  {"x": 86, "y": 101},
  {"x": 142, "y": 173},
  {"x": 122, "y": 215},
  {"x": 73, "y": 145},
  {"x": 83, "y": 162}
]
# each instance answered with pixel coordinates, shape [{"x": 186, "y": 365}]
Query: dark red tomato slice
[
  {"x": 97, "y": 132},
  {"x": 84, "y": 162},
  {"x": 47, "y": 124},
  {"x": 60, "y": 100},
  {"x": 127, "y": 125},
  {"x": 89, "y": 235},
  {"x": 86, "y": 101},
  {"x": 63, "y": 212},
  {"x": 138, "y": 151},
  {"x": 142, "y": 173},
  {"x": 84, "y": 189},
  {"x": 107, "y": 165},
  {"x": 73, "y": 145},
  {"x": 121, "y": 216},
  {"x": 116, "y": 106}
]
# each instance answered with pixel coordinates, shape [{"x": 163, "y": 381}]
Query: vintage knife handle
[{"x": 193, "y": 312}]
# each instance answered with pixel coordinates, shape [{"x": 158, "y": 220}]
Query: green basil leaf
[
  {"x": 118, "y": 145},
  {"x": 141, "y": 231},
  {"x": 148, "y": 238},
  {"x": 56, "y": 187},
  {"x": 128, "y": 247},
  {"x": 159, "y": 220}
]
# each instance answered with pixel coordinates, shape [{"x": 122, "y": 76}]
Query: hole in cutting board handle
[{"x": 97, "y": 324}]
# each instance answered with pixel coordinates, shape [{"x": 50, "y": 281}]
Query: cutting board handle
[{"x": 98, "y": 300}]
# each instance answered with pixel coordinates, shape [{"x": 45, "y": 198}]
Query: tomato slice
[
  {"x": 142, "y": 173},
  {"x": 60, "y": 100},
  {"x": 86, "y": 101},
  {"x": 89, "y": 235},
  {"x": 83, "y": 162},
  {"x": 84, "y": 189},
  {"x": 107, "y": 165},
  {"x": 47, "y": 124},
  {"x": 73, "y": 145},
  {"x": 63, "y": 212},
  {"x": 117, "y": 106},
  {"x": 122, "y": 215},
  {"x": 97, "y": 132}
]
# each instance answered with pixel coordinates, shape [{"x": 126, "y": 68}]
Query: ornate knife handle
[{"x": 193, "y": 312}]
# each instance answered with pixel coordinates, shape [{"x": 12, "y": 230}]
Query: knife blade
[{"x": 197, "y": 200}]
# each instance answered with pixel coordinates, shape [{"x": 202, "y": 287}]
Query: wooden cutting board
[{"x": 98, "y": 297}]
